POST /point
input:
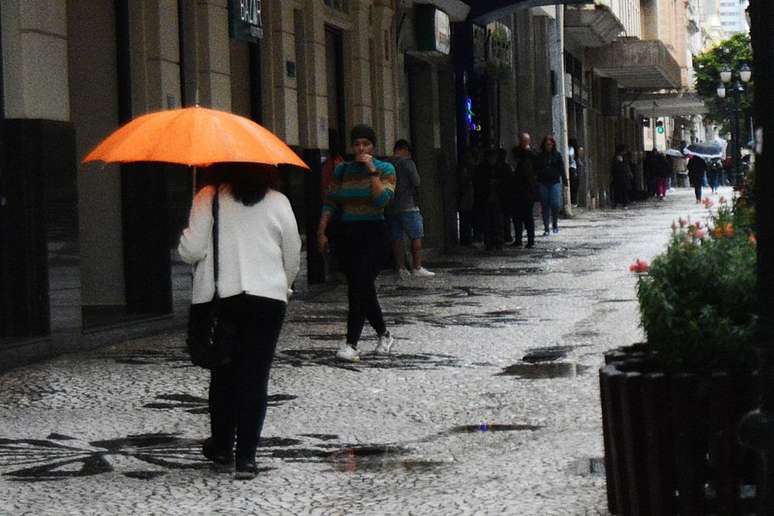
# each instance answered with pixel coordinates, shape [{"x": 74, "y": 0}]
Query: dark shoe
[
  {"x": 222, "y": 461},
  {"x": 530, "y": 245},
  {"x": 246, "y": 470},
  {"x": 515, "y": 244}
]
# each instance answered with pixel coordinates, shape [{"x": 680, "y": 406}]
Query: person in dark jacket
[
  {"x": 663, "y": 173},
  {"x": 697, "y": 167},
  {"x": 551, "y": 177},
  {"x": 620, "y": 174},
  {"x": 524, "y": 191},
  {"x": 487, "y": 188}
]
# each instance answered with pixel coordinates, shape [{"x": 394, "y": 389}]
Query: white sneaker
[
  {"x": 422, "y": 273},
  {"x": 403, "y": 274},
  {"x": 385, "y": 344},
  {"x": 347, "y": 353}
]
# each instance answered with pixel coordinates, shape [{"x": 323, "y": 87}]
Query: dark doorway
[{"x": 334, "y": 73}]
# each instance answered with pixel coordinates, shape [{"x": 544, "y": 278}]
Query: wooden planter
[{"x": 671, "y": 443}]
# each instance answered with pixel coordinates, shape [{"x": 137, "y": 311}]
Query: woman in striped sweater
[{"x": 360, "y": 190}]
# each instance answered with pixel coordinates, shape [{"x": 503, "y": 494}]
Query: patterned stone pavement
[{"x": 489, "y": 404}]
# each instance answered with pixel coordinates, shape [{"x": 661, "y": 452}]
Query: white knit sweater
[{"x": 259, "y": 247}]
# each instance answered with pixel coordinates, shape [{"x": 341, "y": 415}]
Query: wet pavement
[{"x": 488, "y": 405}]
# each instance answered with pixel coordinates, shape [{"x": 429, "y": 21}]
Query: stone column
[{"x": 214, "y": 72}]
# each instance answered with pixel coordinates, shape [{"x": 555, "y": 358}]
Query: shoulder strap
[{"x": 215, "y": 210}]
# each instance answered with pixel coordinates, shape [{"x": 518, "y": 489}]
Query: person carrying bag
[{"x": 243, "y": 238}]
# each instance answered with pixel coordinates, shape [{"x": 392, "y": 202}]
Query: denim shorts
[{"x": 406, "y": 222}]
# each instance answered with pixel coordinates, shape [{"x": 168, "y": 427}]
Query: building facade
[{"x": 87, "y": 252}]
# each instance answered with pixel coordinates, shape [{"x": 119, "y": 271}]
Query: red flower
[
  {"x": 708, "y": 203},
  {"x": 729, "y": 231},
  {"x": 639, "y": 266},
  {"x": 753, "y": 239}
]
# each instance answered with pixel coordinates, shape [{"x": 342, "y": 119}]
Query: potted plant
[{"x": 671, "y": 406}]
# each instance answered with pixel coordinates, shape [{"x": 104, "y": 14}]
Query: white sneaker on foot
[
  {"x": 422, "y": 273},
  {"x": 385, "y": 344},
  {"x": 403, "y": 274},
  {"x": 347, "y": 353}
]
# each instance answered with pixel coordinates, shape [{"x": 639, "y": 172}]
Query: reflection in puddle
[
  {"x": 544, "y": 370},
  {"x": 487, "y": 428},
  {"x": 378, "y": 458}
]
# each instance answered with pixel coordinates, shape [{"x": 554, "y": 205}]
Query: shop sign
[
  {"x": 433, "y": 29},
  {"x": 246, "y": 23}
]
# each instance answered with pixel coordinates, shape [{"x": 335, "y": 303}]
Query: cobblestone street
[{"x": 488, "y": 405}]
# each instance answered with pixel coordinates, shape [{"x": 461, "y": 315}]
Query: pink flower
[
  {"x": 682, "y": 222},
  {"x": 698, "y": 225},
  {"x": 699, "y": 234},
  {"x": 674, "y": 227},
  {"x": 708, "y": 203},
  {"x": 722, "y": 200},
  {"x": 753, "y": 239},
  {"x": 639, "y": 266}
]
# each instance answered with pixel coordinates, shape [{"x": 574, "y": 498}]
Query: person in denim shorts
[{"x": 403, "y": 215}]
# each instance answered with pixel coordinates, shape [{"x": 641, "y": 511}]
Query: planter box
[{"x": 671, "y": 443}]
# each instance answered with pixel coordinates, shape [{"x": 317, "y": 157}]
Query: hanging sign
[
  {"x": 245, "y": 19},
  {"x": 433, "y": 29}
]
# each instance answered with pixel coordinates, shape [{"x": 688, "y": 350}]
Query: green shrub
[{"x": 697, "y": 299}]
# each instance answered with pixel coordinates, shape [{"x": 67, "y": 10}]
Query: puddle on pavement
[
  {"x": 396, "y": 360},
  {"x": 378, "y": 458},
  {"x": 544, "y": 370},
  {"x": 546, "y": 354},
  {"x": 484, "y": 428},
  {"x": 501, "y": 271}
]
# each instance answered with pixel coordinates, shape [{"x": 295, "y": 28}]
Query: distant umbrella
[{"x": 705, "y": 150}]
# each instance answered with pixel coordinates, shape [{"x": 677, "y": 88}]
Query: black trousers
[
  {"x": 239, "y": 391},
  {"x": 523, "y": 218},
  {"x": 364, "y": 250}
]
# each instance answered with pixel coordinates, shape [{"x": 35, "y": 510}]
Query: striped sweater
[{"x": 350, "y": 192}]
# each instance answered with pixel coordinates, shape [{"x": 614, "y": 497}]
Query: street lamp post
[
  {"x": 757, "y": 428},
  {"x": 726, "y": 76}
]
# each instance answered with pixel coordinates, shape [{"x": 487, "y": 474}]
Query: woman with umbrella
[
  {"x": 258, "y": 259},
  {"x": 360, "y": 190},
  {"x": 243, "y": 239}
]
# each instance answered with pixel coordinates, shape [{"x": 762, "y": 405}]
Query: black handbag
[{"x": 211, "y": 338}]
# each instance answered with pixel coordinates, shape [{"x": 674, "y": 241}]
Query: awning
[
  {"x": 592, "y": 25},
  {"x": 637, "y": 64},
  {"x": 485, "y": 11},
  {"x": 669, "y": 104}
]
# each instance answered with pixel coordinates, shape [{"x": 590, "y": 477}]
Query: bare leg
[{"x": 416, "y": 253}]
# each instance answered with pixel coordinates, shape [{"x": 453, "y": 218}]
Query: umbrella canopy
[
  {"x": 705, "y": 150},
  {"x": 194, "y": 136},
  {"x": 674, "y": 153}
]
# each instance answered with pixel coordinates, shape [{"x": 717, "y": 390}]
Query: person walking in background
[
  {"x": 714, "y": 173},
  {"x": 524, "y": 191},
  {"x": 360, "y": 190},
  {"x": 572, "y": 155},
  {"x": 551, "y": 178},
  {"x": 465, "y": 172},
  {"x": 503, "y": 180},
  {"x": 403, "y": 215},
  {"x": 697, "y": 167},
  {"x": 620, "y": 175},
  {"x": 663, "y": 173},
  {"x": 489, "y": 202},
  {"x": 258, "y": 259}
]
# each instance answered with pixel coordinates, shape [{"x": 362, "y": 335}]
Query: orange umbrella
[{"x": 194, "y": 136}]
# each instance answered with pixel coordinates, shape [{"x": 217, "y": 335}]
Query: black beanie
[{"x": 362, "y": 131}]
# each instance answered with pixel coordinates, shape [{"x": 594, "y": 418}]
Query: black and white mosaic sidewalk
[{"x": 489, "y": 404}]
